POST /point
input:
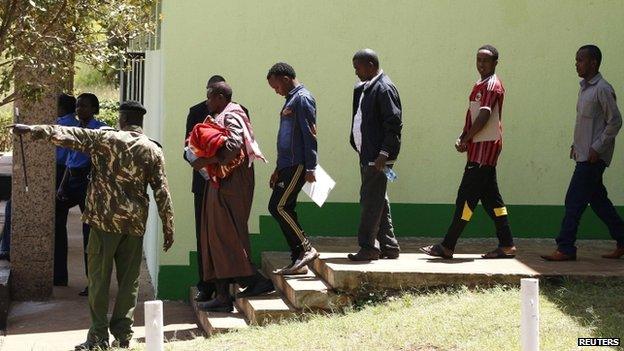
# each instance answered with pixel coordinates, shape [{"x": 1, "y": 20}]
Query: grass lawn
[{"x": 455, "y": 319}]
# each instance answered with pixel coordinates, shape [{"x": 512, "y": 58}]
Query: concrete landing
[
  {"x": 413, "y": 270},
  {"x": 302, "y": 291},
  {"x": 265, "y": 309},
  {"x": 213, "y": 322}
]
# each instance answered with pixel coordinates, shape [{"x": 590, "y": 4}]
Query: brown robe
[{"x": 225, "y": 244}]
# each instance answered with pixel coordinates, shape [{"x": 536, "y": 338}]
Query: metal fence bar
[{"x": 132, "y": 78}]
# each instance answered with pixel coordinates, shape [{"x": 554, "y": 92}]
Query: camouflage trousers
[{"x": 125, "y": 252}]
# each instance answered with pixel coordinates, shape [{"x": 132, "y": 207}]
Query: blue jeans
[{"x": 586, "y": 187}]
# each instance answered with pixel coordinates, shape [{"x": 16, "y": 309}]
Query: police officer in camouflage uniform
[{"x": 123, "y": 163}]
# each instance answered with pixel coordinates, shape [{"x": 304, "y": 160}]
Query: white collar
[{"x": 368, "y": 83}]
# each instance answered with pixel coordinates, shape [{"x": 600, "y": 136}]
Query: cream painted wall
[
  {"x": 428, "y": 49},
  {"x": 152, "y": 242}
]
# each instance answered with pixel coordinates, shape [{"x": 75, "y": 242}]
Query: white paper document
[{"x": 319, "y": 190}]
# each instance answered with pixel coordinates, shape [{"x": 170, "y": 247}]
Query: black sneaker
[
  {"x": 304, "y": 259},
  {"x": 84, "y": 292}
]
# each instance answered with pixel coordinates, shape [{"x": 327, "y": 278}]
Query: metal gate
[{"x": 132, "y": 78}]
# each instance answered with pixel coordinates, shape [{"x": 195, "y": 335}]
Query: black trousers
[
  {"x": 376, "y": 231},
  {"x": 202, "y": 286},
  {"x": 282, "y": 207},
  {"x": 479, "y": 183},
  {"x": 76, "y": 192}
]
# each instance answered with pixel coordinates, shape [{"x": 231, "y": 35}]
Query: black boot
[{"x": 222, "y": 302}]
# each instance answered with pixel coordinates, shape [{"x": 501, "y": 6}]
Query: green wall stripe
[{"x": 419, "y": 220}]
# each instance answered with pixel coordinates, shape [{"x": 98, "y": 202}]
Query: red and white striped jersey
[{"x": 486, "y": 145}]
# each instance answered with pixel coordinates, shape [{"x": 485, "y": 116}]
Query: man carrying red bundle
[{"x": 226, "y": 145}]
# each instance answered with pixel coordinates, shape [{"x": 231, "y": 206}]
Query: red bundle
[{"x": 205, "y": 140}]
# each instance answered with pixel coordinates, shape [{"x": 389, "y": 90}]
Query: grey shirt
[{"x": 598, "y": 120}]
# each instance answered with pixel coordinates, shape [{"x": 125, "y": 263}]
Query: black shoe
[
  {"x": 204, "y": 295},
  {"x": 216, "y": 305},
  {"x": 92, "y": 345},
  {"x": 125, "y": 344},
  {"x": 364, "y": 255},
  {"x": 389, "y": 254},
  {"x": 5, "y": 256},
  {"x": 85, "y": 292},
  {"x": 437, "y": 250},
  {"x": 263, "y": 287}
]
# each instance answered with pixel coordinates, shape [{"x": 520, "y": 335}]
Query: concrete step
[
  {"x": 414, "y": 269},
  {"x": 213, "y": 322},
  {"x": 5, "y": 292},
  {"x": 265, "y": 309},
  {"x": 303, "y": 291}
]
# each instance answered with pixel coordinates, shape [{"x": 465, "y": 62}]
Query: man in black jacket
[
  {"x": 197, "y": 114},
  {"x": 376, "y": 137}
]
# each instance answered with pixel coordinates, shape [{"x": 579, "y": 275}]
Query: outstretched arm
[{"x": 80, "y": 139}]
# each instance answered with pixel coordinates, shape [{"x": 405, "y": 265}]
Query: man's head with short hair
[
  {"x": 588, "y": 60},
  {"x": 366, "y": 64},
  {"x": 282, "y": 78},
  {"x": 66, "y": 104},
  {"x": 218, "y": 96},
  {"x": 282, "y": 69},
  {"x": 214, "y": 79},
  {"x": 593, "y": 51},
  {"x": 131, "y": 113},
  {"x": 490, "y": 50},
  {"x": 487, "y": 59}
]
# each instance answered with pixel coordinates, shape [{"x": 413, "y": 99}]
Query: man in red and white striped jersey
[{"x": 482, "y": 139}]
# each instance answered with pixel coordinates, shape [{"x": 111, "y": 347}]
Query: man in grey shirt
[{"x": 598, "y": 121}]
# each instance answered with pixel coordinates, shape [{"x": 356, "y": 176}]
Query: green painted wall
[{"x": 428, "y": 49}]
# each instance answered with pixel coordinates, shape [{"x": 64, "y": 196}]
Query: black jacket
[
  {"x": 197, "y": 114},
  {"x": 381, "y": 120}
]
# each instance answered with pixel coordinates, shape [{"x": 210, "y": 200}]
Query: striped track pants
[{"x": 282, "y": 207}]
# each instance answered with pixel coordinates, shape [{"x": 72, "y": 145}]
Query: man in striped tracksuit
[{"x": 296, "y": 162}]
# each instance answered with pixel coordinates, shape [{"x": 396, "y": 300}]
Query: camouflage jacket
[{"x": 124, "y": 163}]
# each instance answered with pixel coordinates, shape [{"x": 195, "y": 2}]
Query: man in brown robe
[{"x": 227, "y": 206}]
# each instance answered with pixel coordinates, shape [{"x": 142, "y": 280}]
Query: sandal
[
  {"x": 437, "y": 250},
  {"x": 501, "y": 252}
]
